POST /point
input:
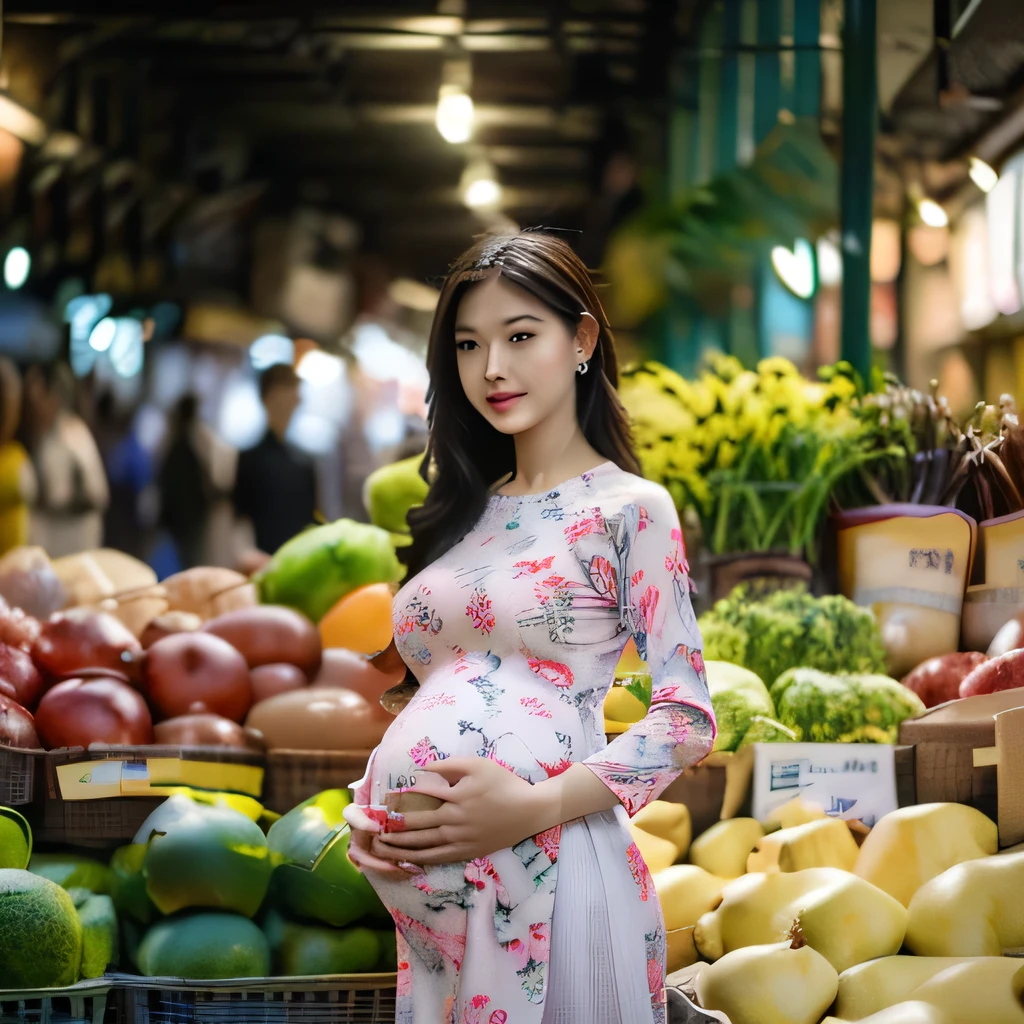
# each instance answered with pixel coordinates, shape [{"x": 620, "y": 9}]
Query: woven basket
[
  {"x": 105, "y": 822},
  {"x": 295, "y": 775},
  {"x": 337, "y": 999},
  {"x": 18, "y": 769}
]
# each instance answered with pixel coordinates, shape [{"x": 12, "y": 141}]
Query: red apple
[
  {"x": 19, "y": 677},
  {"x": 79, "y": 712},
  {"x": 80, "y": 638},
  {"x": 17, "y": 728},
  {"x": 187, "y": 673}
]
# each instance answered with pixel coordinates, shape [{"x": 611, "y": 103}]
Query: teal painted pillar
[{"x": 857, "y": 177}]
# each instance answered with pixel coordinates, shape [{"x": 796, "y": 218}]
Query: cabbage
[{"x": 737, "y": 697}]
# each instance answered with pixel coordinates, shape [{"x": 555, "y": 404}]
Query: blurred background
[{"x": 191, "y": 195}]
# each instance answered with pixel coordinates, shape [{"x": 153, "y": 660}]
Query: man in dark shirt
[{"x": 275, "y": 488}]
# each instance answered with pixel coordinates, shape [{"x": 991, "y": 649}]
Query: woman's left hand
[{"x": 487, "y": 808}]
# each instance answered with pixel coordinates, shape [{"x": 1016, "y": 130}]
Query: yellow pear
[
  {"x": 668, "y": 820},
  {"x": 781, "y": 983},
  {"x": 657, "y": 853},
  {"x": 872, "y": 986},
  {"x": 680, "y": 951},
  {"x": 685, "y": 892},
  {"x": 973, "y": 909},
  {"x": 792, "y": 813},
  {"x": 843, "y": 917},
  {"x": 621, "y": 706},
  {"x": 723, "y": 849},
  {"x": 824, "y": 843},
  {"x": 900, "y": 1013},
  {"x": 979, "y": 990},
  {"x": 910, "y": 846}
]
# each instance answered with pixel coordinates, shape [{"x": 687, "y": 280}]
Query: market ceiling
[{"x": 334, "y": 104}]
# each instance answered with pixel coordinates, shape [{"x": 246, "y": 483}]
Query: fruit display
[
  {"x": 194, "y": 658},
  {"x": 908, "y": 923},
  {"x": 212, "y": 887}
]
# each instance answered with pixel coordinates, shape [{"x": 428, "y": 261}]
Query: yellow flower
[{"x": 777, "y": 366}]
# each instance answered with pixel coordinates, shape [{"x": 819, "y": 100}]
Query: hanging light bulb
[
  {"x": 454, "y": 104},
  {"x": 984, "y": 176},
  {"x": 932, "y": 214},
  {"x": 479, "y": 186}
]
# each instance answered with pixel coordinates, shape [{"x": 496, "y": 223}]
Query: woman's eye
[
  {"x": 459, "y": 345},
  {"x": 521, "y": 336}
]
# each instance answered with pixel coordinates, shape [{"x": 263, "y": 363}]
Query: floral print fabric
[{"x": 514, "y": 635}]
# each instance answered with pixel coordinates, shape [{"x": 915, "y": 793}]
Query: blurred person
[
  {"x": 17, "y": 477},
  {"x": 131, "y": 476},
  {"x": 186, "y": 490},
  {"x": 275, "y": 487},
  {"x": 72, "y": 484}
]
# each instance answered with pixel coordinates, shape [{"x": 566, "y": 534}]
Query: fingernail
[
  {"x": 413, "y": 869},
  {"x": 412, "y": 782}
]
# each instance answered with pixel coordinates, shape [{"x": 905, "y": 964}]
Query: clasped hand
[{"x": 486, "y": 808}]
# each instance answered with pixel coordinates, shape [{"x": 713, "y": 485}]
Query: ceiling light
[
  {"x": 17, "y": 265},
  {"x": 830, "y": 262},
  {"x": 454, "y": 114},
  {"x": 319, "y": 368},
  {"x": 795, "y": 267},
  {"x": 984, "y": 176},
  {"x": 932, "y": 214},
  {"x": 479, "y": 186},
  {"x": 271, "y": 349}
]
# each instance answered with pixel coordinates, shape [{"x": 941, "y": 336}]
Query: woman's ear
[{"x": 587, "y": 335}]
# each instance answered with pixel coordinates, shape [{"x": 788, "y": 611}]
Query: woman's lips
[{"x": 505, "y": 403}]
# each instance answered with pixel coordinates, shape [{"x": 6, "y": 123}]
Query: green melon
[
  {"x": 204, "y": 946},
  {"x": 70, "y": 871},
  {"x": 99, "y": 935},
  {"x": 304, "y": 950},
  {"x": 41, "y": 944},
  {"x": 15, "y": 839}
]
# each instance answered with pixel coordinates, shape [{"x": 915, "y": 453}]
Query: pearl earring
[{"x": 582, "y": 368}]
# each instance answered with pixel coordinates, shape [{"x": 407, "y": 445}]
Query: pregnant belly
[{"x": 523, "y": 725}]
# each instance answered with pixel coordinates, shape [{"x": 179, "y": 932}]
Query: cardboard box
[{"x": 971, "y": 751}]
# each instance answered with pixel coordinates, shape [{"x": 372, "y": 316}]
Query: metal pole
[{"x": 857, "y": 177}]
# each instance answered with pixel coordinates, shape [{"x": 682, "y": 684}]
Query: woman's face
[{"x": 509, "y": 342}]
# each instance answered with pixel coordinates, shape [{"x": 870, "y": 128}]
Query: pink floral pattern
[{"x": 513, "y": 635}]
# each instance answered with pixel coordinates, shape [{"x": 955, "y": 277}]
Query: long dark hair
[{"x": 465, "y": 455}]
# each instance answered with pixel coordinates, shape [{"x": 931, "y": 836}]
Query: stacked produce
[
  {"x": 203, "y": 892},
  {"x": 196, "y": 660},
  {"x": 798, "y": 921}
]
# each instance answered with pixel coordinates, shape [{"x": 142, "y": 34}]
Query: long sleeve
[{"x": 654, "y": 600}]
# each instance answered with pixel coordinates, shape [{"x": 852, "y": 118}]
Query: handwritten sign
[{"x": 852, "y": 781}]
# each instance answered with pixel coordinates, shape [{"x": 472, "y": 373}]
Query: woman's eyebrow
[{"x": 508, "y": 323}]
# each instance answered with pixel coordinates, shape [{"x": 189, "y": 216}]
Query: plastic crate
[
  {"x": 17, "y": 776},
  {"x": 89, "y": 1002},
  {"x": 338, "y": 999}
]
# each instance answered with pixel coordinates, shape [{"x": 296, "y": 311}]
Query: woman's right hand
[{"x": 363, "y": 829}]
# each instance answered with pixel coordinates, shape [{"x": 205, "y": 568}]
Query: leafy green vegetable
[
  {"x": 766, "y": 730},
  {"x": 737, "y": 697},
  {"x": 866, "y": 708},
  {"x": 792, "y": 629}
]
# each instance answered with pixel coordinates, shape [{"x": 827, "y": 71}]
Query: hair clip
[
  {"x": 545, "y": 229},
  {"x": 492, "y": 255}
]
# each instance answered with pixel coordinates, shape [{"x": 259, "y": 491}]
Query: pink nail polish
[{"x": 413, "y": 869}]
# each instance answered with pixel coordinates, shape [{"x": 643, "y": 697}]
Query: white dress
[{"x": 514, "y": 635}]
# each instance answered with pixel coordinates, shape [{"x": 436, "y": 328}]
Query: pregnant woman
[{"x": 518, "y": 896}]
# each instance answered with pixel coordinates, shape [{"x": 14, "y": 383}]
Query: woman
[{"x": 519, "y": 897}]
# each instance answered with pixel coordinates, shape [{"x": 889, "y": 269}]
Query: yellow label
[
  {"x": 98, "y": 780},
  {"x": 1004, "y": 553}
]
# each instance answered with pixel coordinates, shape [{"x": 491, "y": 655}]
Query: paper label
[
  {"x": 155, "y": 776},
  {"x": 852, "y": 781}
]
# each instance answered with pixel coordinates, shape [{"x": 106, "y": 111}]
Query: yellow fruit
[
  {"x": 685, "y": 892},
  {"x": 910, "y": 846},
  {"x": 872, "y": 986},
  {"x": 826, "y": 843},
  {"x": 794, "y": 812},
  {"x": 668, "y": 820},
  {"x": 657, "y": 853},
  {"x": 769, "y": 984},
  {"x": 621, "y": 706},
  {"x": 680, "y": 951},
  {"x": 360, "y": 621},
  {"x": 980, "y": 990},
  {"x": 723, "y": 849},
  {"x": 900, "y": 1013},
  {"x": 973, "y": 909},
  {"x": 843, "y": 917}
]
